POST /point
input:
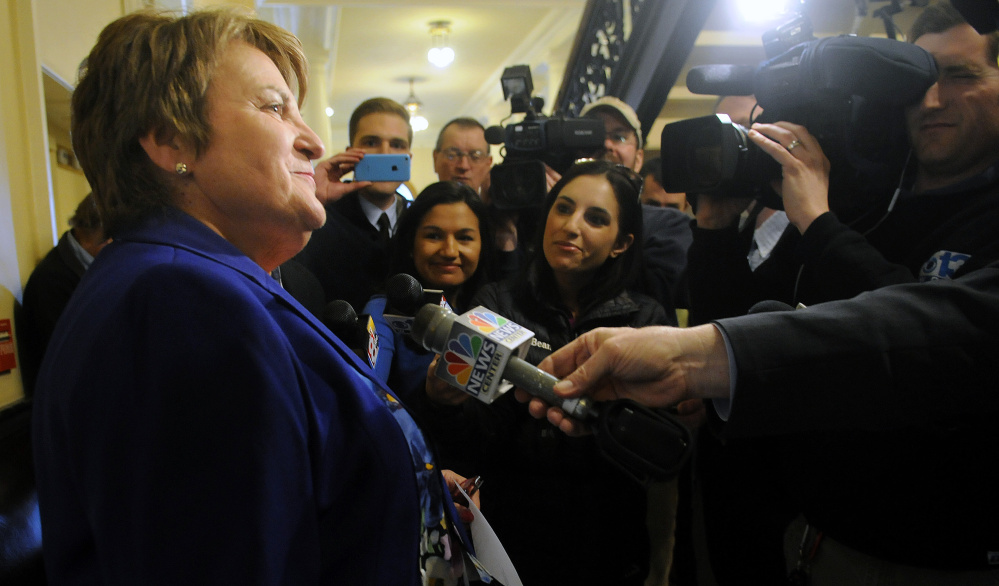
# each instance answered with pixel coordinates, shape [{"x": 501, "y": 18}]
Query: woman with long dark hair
[{"x": 565, "y": 514}]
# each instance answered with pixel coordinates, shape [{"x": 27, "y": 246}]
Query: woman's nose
[
  {"x": 309, "y": 142},
  {"x": 572, "y": 223}
]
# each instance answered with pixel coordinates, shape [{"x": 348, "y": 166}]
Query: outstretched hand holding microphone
[
  {"x": 654, "y": 366},
  {"x": 480, "y": 349}
]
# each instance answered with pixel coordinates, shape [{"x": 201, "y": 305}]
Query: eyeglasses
[
  {"x": 475, "y": 156},
  {"x": 621, "y": 136}
]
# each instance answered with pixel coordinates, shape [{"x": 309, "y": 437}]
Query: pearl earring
[{"x": 181, "y": 168}]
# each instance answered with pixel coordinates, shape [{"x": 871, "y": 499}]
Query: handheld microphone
[
  {"x": 480, "y": 348},
  {"x": 495, "y": 135},
  {"x": 769, "y": 305},
  {"x": 404, "y": 297},
  {"x": 357, "y": 333}
]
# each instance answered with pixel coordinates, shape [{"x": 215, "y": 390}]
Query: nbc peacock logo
[
  {"x": 486, "y": 322},
  {"x": 460, "y": 357}
]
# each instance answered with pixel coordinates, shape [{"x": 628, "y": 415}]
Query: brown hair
[
  {"x": 464, "y": 122},
  {"x": 374, "y": 106},
  {"x": 941, "y": 17},
  {"x": 86, "y": 216},
  {"x": 150, "y": 71}
]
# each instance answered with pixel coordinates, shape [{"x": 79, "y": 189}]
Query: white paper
[{"x": 488, "y": 549}]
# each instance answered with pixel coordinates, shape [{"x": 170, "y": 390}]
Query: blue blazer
[{"x": 194, "y": 424}]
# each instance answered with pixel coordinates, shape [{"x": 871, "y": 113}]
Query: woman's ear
[
  {"x": 622, "y": 244},
  {"x": 165, "y": 151}
]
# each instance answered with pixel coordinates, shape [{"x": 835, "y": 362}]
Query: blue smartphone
[{"x": 382, "y": 168}]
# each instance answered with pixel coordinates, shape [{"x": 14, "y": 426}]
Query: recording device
[
  {"x": 519, "y": 181},
  {"x": 404, "y": 297},
  {"x": 382, "y": 168},
  {"x": 481, "y": 350},
  {"x": 358, "y": 334},
  {"x": 849, "y": 92}
]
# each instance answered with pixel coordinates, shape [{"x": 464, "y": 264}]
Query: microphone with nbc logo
[{"x": 480, "y": 348}]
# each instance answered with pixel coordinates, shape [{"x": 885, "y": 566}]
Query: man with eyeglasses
[
  {"x": 623, "y": 138},
  {"x": 462, "y": 154}
]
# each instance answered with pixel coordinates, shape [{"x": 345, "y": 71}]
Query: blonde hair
[{"x": 150, "y": 72}]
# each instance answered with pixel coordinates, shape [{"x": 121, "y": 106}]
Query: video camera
[
  {"x": 519, "y": 181},
  {"x": 848, "y": 91}
]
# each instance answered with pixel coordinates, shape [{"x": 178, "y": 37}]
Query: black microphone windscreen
[
  {"x": 495, "y": 135},
  {"x": 770, "y": 305},
  {"x": 721, "y": 80},
  {"x": 404, "y": 293},
  {"x": 338, "y": 315}
]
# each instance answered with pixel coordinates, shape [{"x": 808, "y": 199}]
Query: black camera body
[
  {"x": 849, "y": 92},
  {"x": 519, "y": 181}
]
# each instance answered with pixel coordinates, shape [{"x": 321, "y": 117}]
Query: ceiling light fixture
[
  {"x": 413, "y": 105},
  {"x": 763, "y": 11},
  {"x": 441, "y": 54}
]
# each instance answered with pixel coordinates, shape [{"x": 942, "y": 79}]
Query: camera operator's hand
[
  {"x": 506, "y": 230},
  {"x": 718, "y": 212},
  {"x": 329, "y": 175},
  {"x": 805, "y": 187}
]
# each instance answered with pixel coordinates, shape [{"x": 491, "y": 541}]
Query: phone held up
[{"x": 382, "y": 168}]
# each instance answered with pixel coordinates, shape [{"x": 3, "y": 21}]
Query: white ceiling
[
  {"x": 362, "y": 49},
  {"x": 369, "y": 49},
  {"x": 373, "y": 48}
]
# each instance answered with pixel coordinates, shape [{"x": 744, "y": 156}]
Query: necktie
[{"x": 383, "y": 230}]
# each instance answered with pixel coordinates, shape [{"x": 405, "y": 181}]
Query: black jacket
[
  {"x": 922, "y": 494},
  {"x": 345, "y": 254},
  {"x": 46, "y": 294},
  {"x": 565, "y": 514}
]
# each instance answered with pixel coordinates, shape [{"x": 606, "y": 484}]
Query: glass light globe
[
  {"x": 761, "y": 11},
  {"x": 418, "y": 123},
  {"x": 441, "y": 56}
]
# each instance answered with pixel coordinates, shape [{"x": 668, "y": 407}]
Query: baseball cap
[{"x": 626, "y": 112}]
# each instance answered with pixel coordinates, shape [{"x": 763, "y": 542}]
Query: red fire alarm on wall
[{"x": 7, "y": 362}]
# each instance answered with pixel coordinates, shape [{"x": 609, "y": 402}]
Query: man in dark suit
[
  {"x": 349, "y": 254},
  {"x": 53, "y": 281}
]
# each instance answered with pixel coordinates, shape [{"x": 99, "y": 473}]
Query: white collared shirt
[
  {"x": 765, "y": 238},
  {"x": 373, "y": 212}
]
